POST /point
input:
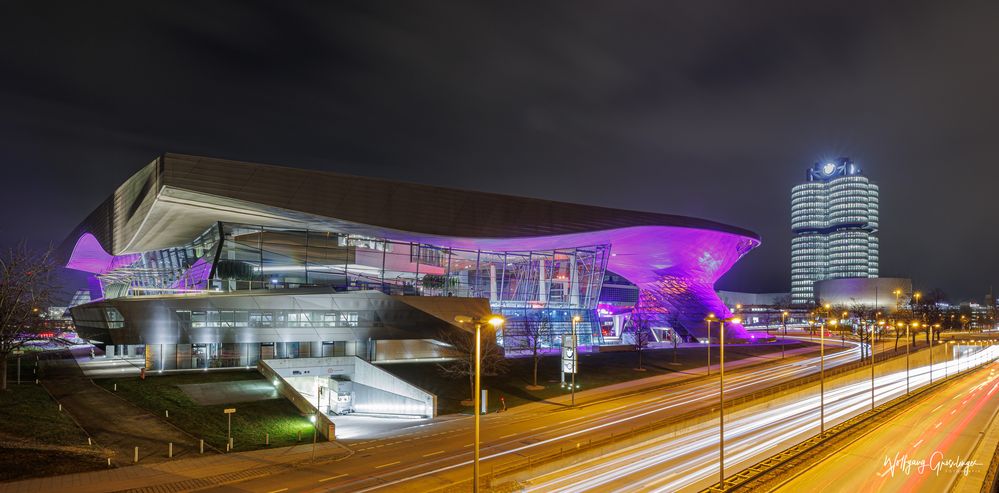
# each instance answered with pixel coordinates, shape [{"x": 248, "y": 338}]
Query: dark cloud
[{"x": 710, "y": 109}]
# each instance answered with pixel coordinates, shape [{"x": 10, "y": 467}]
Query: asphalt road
[
  {"x": 689, "y": 461},
  {"x": 439, "y": 454},
  {"x": 922, "y": 449}
]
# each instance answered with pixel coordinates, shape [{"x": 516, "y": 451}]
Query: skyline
[{"x": 658, "y": 120}]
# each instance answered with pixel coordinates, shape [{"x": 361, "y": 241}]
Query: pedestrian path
[
  {"x": 183, "y": 474},
  {"x": 112, "y": 422}
]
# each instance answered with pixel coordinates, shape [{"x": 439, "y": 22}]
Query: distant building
[
  {"x": 763, "y": 309},
  {"x": 733, "y": 298},
  {"x": 834, "y": 219},
  {"x": 873, "y": 292}
]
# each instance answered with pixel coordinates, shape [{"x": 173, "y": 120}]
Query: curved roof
[{"x": 176, "y": 197}]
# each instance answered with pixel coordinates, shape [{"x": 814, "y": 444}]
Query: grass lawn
[
  {"x": 35, "y": 438},
  {"x": 252, "y": 420},
  {"x": 595, "y": 370}
]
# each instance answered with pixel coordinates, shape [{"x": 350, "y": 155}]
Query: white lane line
[
  {"x": 466, "y": 446},
  {"x": 278, "y": 491},
  {"x": 938, "y": 424},
  {"x": 917, "y": 443},
  {"x": 434, "y": 453},
  {"x": 953, "y": 411},
  {"x": 331, "y": 478},
  {"x": 386, "y": 465},
  {"x": 935, "y": 409},
  {"x": 507, "y": 436},
  {"x": 539, "y": 428}
]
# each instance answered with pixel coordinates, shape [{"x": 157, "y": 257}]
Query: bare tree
[
  {"x": 26, "y": 287},
  {"x": 638, "y": 328},
  {"x": 492, "y": 360},
  {"x": 779, "y": 306},
  {"x": 535, "y": 333},
  {"x": 865, "y": 315},
  {"x": 674, "y": 322}
]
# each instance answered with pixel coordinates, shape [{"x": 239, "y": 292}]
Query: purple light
[
  {"x": 196, "y": 277},
  {"x": 89, "y": 256}
]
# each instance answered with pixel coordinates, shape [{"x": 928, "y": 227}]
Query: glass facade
[
  {"x": 557, "y": 284},
  {"x": 834, "y": 218}
]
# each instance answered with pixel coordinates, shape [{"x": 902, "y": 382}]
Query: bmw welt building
[{"x": 198, "y": 262}]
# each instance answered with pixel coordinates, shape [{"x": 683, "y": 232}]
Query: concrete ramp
[{"x": 346, "y": 384}]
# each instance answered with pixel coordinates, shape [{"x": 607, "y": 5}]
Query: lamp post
[
  {"x": 931, "y": 327},
  {"x": 575, "y": 357},
  {"x": 721, "y": 399},
  {"x": 711, "y": 318},
  {"x": 496, "y": 321},
  {"x": 822, "y": 377},
  {"x": 783, "y": 321},
  {"x": 870, "y": 336},
  {"x": 315, "y": 418},
  {"x": 907, "y": 344}
]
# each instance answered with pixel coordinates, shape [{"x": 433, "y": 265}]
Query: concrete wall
[
  {"x": 372, "y": 400},
  {"x": 375, "y": 390}
]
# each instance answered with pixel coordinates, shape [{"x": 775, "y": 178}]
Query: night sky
[{"x": 710, "y": 109}]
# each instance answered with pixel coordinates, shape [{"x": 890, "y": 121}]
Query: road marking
[
  {"x": 539, "y": 428},
  {"x": 935, "y": 409},
  {"x": 386, "y": 465},
  {"x": 434, "y": 453},
  {"x": 469, "y": 445},
  {"x": 331, "y": 478},
  {"x": 938, "y": 424},
  {"x": 660, "y": 480},
  {"x": 278, "y": 491},
  {"x": 917, "y": 443},
  {"x": 507, "y": 436}
]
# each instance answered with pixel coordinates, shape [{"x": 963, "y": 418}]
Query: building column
[
  {"x": 493, "y": 298},
  {"x": 542, "y": 291},
  {"x": 573, "y": 282}
]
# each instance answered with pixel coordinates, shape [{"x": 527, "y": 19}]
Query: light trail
[
  {"x": 658, "y": 403},
  {"x": 688, "y": 461}
]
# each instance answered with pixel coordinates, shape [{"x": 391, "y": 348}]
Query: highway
[
  {"x": 439, "y": 454},
  {"x": 689, "y": 462},
  {"x": 923, "y": 449}
]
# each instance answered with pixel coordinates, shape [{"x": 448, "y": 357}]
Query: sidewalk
[
  {"x": 112, "y": 422},
  {"x": 183, "y": 474}
]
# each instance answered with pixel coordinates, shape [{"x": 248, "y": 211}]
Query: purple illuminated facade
[{"x": 193, "y": 228}]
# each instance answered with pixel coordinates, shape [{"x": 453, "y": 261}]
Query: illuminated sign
[{"x": 569, "y": 355}]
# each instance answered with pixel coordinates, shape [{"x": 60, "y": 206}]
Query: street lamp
[
  {"x": 496, "y": 321},
  {"x": 931, "y": 349},
  {"x": 907, "y": 344},
  {"x": 721, "y": 399},
  {"x": 870, "y": 336},
  {"x": 711, "y": 318},
  {"x": 575, "y": 357},
  {"x": 783, "y": 321},
  {"x": 822, "y": 377}
]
